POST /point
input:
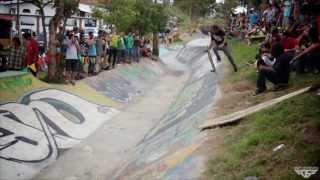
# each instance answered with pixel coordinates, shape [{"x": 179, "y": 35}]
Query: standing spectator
[
  {"x": 253, "y": 18},
  {"x": 286, "y": 14},
  {"x": 275, "y": 12},
  {"x": 113, "y": 50},
  {"x": 121, "y": 48},
  {"x": 72, "y": 59},
  {"x": 32, "y": 49},
  {"x": 3, "y": 59},
  {"x": 136, "y": 48},
  {"x": 106, "y": 50},
  {"x": 92, "y": 53},
  {"x": 17, "y": 55},
  {"x": 61, "y": 37},
  {"x": 268, "y": 17},
  {"x": 100, "y": 51},
  {"x": 129, "y": 42},
  {"x": 83, "y": 52}
]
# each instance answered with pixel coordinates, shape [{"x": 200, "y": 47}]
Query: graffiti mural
[
  {"x": 35, "y": 130},
  {"x": 127, "y": 82},
  {"x": 166, "y": 151}
]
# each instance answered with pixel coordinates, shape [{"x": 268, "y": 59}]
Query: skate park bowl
[{"x": 138, "y": 121}]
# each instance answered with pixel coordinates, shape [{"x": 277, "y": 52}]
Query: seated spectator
[
  {"x": 147, "y": 49},
  {"x": 17, "y": 55},
  {"x": 289, "y": 43},
  {"x": 278, "y": 74},
  {"x": 264, "y": 57},
  {"x": 308, "y": 59}
]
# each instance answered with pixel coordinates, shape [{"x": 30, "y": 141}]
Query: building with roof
[{"x": 30, "y": 18}]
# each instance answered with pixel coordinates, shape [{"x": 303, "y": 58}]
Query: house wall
[{"x": 32, "y": 21}]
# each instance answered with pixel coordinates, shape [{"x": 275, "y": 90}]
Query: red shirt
[
  {"x": 289, "y": 43},
  {"x": 32, "y": 48}
]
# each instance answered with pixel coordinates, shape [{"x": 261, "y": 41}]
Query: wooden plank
[{"x": 235, "y": 117}]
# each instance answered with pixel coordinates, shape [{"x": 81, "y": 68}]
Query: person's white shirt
[
  {"x": 148, "y": 46},
  {"x": 72, "y": 52},
  {"x": 266, "y": 57}
]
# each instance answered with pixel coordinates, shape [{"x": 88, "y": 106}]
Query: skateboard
[{"x": 211, "y": 61}]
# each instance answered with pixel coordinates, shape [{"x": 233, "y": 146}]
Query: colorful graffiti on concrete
[
  {"x": 127, "y": 82},
  {"x": 34, "y": 131},
  {"x": 167, "y": 150}
]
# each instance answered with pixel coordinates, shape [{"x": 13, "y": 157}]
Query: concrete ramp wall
[
  {"x": 39, "y": 121},
  {"x": 167, "y": 150}
]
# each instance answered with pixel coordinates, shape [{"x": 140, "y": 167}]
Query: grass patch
[
  {"x": 249, "y": 147},
  {"x": 243, "y": 54}
]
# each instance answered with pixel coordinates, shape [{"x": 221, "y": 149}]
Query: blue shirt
[
  {"x": 92, "y": 50},
  {"x": 253, "y": 18},
  {"x": 287, "y": 9}
]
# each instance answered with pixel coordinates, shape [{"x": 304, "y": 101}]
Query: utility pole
[
  {"x": 18, "y": 19},
  {"x": 155, "y": 42}
]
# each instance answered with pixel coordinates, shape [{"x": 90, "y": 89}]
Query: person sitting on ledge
[{"x": 278, "y": 73}]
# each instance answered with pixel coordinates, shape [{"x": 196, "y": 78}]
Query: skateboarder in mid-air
[{"x": 218, "y": 43}]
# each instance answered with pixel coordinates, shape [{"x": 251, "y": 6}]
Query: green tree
[
  {"x": 70, "y": 8},
  {"x": 41, "y": 4},
  {"x": 142, "y": 15},
  {"x": 195, "y": 8},
  {"x": 121, "y": 13},
  {"x": 60, "y": 7}
]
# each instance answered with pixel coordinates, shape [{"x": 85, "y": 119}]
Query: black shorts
[{"x": 72, "y": 64}]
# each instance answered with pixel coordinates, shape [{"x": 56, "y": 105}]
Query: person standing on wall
[
  {"x": 113, "y": 52},
  {"x": 121, "y": 48},
  {"x": 136, "y": 47},
  {"x": 17, "y": 55},
  {"x": 72, "y": 58},
  {"x": 218, "y": 43},
  {"x": 92, "y": 53},
  {"x": 32, "y": 48},
  {"x": 129, "y": 42},
  {"x": 100, "y": 51}
]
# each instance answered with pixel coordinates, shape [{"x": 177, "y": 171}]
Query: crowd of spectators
[
  {"x": 289, "y": 32},
  {"x": 80, "y": 54}
]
